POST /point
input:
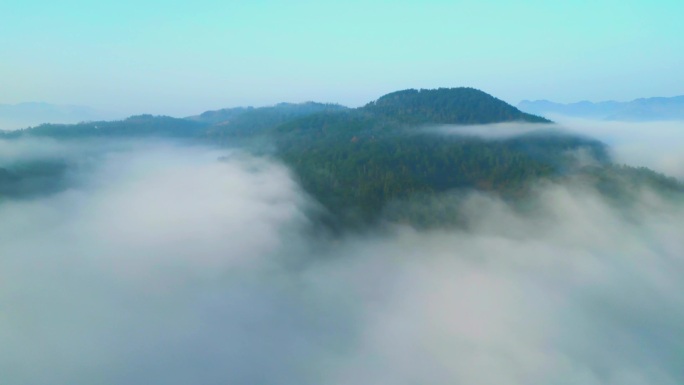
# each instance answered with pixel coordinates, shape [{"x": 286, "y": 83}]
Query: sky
[{"x": 181, "y": 58}]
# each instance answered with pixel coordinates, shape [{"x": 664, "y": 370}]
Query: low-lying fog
[
  {"x": 164, "y": 265},
  {"x": 656, "y": 145}
]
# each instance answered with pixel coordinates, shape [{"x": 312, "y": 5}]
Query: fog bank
[
  {"x": 656, "y": 145},
  {"x": 174, "y": 265}
]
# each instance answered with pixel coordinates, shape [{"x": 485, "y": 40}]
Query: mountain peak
[{"x": 462, "y": 105}]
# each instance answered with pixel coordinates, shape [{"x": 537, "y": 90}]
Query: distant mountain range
[
  {"x": 645, "y": 109},
  {"x": 22, "y": 115}
]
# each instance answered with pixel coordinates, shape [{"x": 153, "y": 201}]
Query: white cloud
[
  {"x": 656, "y": 145},
  {"x": 165, "y": 265}
]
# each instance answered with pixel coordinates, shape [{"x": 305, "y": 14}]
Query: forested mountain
[
  {"x": 359, "y": 162},
  {"x": 356, "y": 161},
  {"x": 403, "y": 108},
  {"x": 644, "y": 109},
  {"x": 447, "y": 106},
  {"x": 217, "y": 126}
]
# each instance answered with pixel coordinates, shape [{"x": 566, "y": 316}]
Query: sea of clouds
[{"x": 175, "y": 264}]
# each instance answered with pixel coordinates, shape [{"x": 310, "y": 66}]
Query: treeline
[{"x": 355, "y": 177}]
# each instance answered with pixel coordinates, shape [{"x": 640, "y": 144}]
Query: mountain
[
  {"x": 447, "y": 106},
  {"x": 220, "y": 126},
  {"x": 411, "y": 108},
  {"x": 402, "y": 108},
  {"x": 363, "y": 163},
  {"x": 652, "y": 109},
  {"x": 645, "y": 109},
  {"x": 357, "y": 161},
  {"x": 22, "y": 115}
]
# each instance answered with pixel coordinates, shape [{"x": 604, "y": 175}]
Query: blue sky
[{"x": 182, "y": 57}]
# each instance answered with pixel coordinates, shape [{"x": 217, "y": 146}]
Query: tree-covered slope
[
  {"x": 359, "y": 161},
  {"x": 243, "y": 123},
  {"x": 356, "y": 177}
]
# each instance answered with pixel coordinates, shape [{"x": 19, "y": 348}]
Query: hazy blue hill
[
  {"x": 134, "y": 126},
  {"x": 584, "y": 109},
  {"x": 651, "y": 109},
  {"x": 645, "y": 109}
]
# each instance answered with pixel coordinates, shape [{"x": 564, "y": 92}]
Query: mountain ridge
[
  {"x": 357, "y": 161},
  {"x": 641, "y": 109},
  {"x": 461, "y": 105}
]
